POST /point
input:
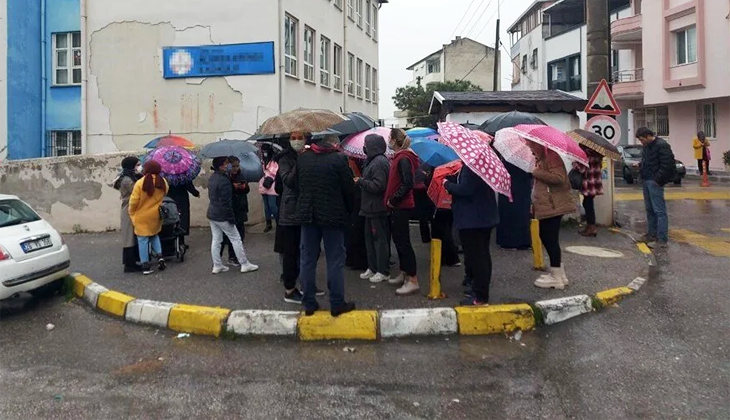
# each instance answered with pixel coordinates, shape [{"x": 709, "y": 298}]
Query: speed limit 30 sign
[{"x": 606, "y": 127}]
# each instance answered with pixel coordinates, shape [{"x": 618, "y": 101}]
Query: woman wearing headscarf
[
  {"x": 144, "y": 210},
  {"x": 131, "y": 170}
]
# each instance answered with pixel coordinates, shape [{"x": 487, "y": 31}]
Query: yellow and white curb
[{"x": 356, "y": 325}]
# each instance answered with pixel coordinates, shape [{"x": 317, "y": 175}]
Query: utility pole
[{"x": 495, "y": 70}]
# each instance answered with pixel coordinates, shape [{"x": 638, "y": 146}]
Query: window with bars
[
  {"x": 63, "y": 143},
  {"x": 350, "y": 74},
  {"x": 368, "y": 81},
  {"x": 308, "y": 54},
  {"x": 706, "y": 119},
  {"x": 375, "y": 86},
  {"x": 359, "y": 78},
  {"x": 291, "y": 25},
  {"x": 337, "y": 68},
  {"x": 655, "y": 119},
  {"x": 66, "y": 58},
  {"x": 324, "y": 61}
]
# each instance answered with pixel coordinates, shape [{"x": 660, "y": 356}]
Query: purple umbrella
[{"x": 179, "y": 166}]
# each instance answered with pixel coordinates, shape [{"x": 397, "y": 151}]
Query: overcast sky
[{"x": 412, "y": 29}]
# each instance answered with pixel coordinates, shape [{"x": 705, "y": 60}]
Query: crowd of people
[{"x": 354, "y": 210}]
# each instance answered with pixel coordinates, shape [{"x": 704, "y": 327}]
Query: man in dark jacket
[
  {"x": 372, "y": 184},
  {"x": 657, "y": 168},
  {"x": 326, "y": 188},
  {"x": 475, "y": 215},
  {"x": 240, "y": 206},
  {"x": 223, "y": 219}
]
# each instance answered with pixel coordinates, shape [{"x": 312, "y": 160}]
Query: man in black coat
[
  {"x": 657, "y": 168},
  {"x": 324, "y": 204}
]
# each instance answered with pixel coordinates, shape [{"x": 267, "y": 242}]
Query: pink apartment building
[{"x": 680, "y": 83}]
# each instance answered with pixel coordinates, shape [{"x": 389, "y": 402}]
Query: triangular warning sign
[{"x": 602, "y": 102}]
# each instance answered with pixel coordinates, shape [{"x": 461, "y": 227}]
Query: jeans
[
  {"x": 144, "y": 243},
  {"x": 550, "y": 237},
  {"x": 377, "y": 244},
  {"x": 231, "y": 252},
  {"x": 271, "y": 211},
  {"x": 335, "y": 254},
  {"x": 478, "y": 260},
  {"x": 590, "y": 207},
  {"x": 657, "y": 221},
  {"x": 218, "y": 229},
  {"x": 401, "y": 231}
]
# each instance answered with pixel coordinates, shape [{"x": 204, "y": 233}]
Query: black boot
[{"x": 268, "y": 227}]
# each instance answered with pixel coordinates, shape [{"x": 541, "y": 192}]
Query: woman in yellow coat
[
  {"x": 701, "y": 146},
  {"x": 144, "y": 210}
]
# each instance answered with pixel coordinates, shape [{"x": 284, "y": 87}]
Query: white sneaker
[
  {"x": 221, "y": 269},
  {"x": 551, "y": 281},
  {"x": 367, "y": 275},
  {"x": 248, "y": 267},
  {"x": 400, "y": 279},
  {"x": 379, "y": 278},
  {"x": 408, "y": 288}
]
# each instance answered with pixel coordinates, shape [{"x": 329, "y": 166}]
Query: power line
[
  {"x": 472, "y": 69},
  {"x": 490, "y": 19},
  {"x": 519, "y": 65},
  {"x": 479, "y": 18},
  {"x": 473, "y": 14},
  {"x": 462, "y": 18}
]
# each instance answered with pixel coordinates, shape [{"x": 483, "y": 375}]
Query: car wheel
[
  {"x": 627, "y": 176},
  {"x": 48, "y": 290}
]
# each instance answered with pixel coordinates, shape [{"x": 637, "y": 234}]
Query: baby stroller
[{"x": 171, "y": 233}]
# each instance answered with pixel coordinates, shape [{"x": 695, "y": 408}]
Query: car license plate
[{"x": 36, "y": 245}]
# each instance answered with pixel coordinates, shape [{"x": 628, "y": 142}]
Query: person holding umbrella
[
  {"x": 240, "y": 206},
  {"x": 144, "y": 210},
  {"x": 223, "y": 218}
]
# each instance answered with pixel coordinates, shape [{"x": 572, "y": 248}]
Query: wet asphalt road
[{"x": 663, "y": 353}]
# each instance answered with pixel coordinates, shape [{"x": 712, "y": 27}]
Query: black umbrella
[
  {"x": 356, "y": 122},
  {"x": 596, "y": 143},
  {"x": 507, "y": 120},
  {"x": 470, "y": 126},
  {"x": 226, "y": 148}
]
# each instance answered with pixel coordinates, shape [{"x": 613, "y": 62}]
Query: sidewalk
[{"x": 99, "y": 257}]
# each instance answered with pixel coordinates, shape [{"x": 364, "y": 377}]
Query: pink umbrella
[
  {"x": 483, "y": 136},
  {"x": 352, "y": 145},
  {"x": 553, "y": 139},
  {"x": 514, "y": 149},
  {"x": 178, "y": 165},
  {"x": 477, "y": 155}
]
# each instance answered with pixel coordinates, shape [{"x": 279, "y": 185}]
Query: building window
[
  {"x": 375, "y": 21},
  {"x": 368, "y": 81},
  {"x": 358, "y": 12},
  {"x": 565, "y": 74},
  {"x": 350, "y": 74},
  {"x": 656, "y": 119},
  {"x": 359, "y": 78},
  {"x": 66, "y": 58},
  {"x": 290, "y": 45},
  {"x": 337, "y": 69},
  {"x": 686, "y": 40},
  {"x": 533, "y": 60},
  {"x": 706, "y": 115},
  {"x": 324, "y": 61},
  {"x": 338, "y": 3},
  {"x": 524, "y": 64},
  {"x": 350, "y": 9},
  {"x": 375, "y": 86},
  {"x": 368, "y": 16},
  {"x": 516, "y": 70},
  {"x": 64, "y": 143},
  {"x": 308, "y": 54},
  {"x": 433, "y": 66}
]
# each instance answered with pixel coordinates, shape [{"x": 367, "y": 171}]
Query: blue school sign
[{"x": 219, "y": 60}]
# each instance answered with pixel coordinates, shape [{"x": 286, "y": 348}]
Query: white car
[{"x": 33, "y": 255}]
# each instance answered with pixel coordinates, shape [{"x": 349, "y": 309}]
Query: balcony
[
  {"x": 628, "y": 84},
  {"x": 626, "y": 31}
]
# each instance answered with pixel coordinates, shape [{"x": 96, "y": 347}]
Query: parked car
[
  {"x": 33, "y": 256},
  {"x": 628, "y": 166}
]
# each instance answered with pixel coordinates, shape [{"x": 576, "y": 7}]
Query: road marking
[
  {"x": 678, "y": 195},
  {"x": 718, "y": 247},
  {"x": 643, "y": 248},
  {"x": 594, "y": 251}
]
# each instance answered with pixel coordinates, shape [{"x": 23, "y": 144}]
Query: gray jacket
[
  {"x": 220, "y": 192},
  {"x": 374, "y": 178}
]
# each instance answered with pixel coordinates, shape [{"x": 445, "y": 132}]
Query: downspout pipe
[
  {"x": 84, "y": 79},
  {"x": 345, "y": 60},
  {"x": 44, "y": 80},
  {"x": 280, "y": 54}
]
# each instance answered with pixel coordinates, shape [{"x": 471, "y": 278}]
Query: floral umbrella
[
  {"x": 514, "y": 149},
  {"x": 352, "y": 145},
  {"x": 553, "y": 139},
  {"x": 478, "y": 156},
  {"x": 179, "y": 166},
  {"x": 170, "y": 140}
]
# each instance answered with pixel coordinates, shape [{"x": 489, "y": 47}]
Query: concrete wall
[
  {"x": 63, "y": 103},
  {"x": 683, "y": 128},
  {"x": 460, "y": 59},
  {"x": 3, "y": 79},
  {"x": 74, "y": 193}
]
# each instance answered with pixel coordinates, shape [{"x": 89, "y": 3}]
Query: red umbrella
[
  {"x": 436, "y": 191},
  {"x": 477, "y": 155},
  {"x": 553, "y": 139}
]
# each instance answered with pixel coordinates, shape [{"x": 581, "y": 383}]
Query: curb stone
[{"x": 559, "y": 310}]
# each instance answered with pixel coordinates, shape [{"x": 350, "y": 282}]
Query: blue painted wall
[{"x": 26, "y": 81}]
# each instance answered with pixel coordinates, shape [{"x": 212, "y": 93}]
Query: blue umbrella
[
  {"x": 434, "y": 153},
  {"x": 418, "y": 132}
]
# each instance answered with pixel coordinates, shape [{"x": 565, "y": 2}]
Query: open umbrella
[
  {"x": 226, "y": 148},
  {"x": 352, "y": 145},
  {"x": 251, "y": 167},
  {"x": 355, "y": 122},
  {"x": 553, "y": 139},
  {"x": 436, "y": 191},
  {"x": 514, "y": 149},
  {"x": 434, "y": 153},
  {"x": 470, "y": 126},
  {"x": 422, "y": 132},
  {"x": 178, "y": 166},
  {"x": 304, "y": 120},
  {"x": 596, "y": 143},
  {"x": 477, "y": 155},
  {"x": 507, "y": 120},
  {"x": 483, "y": 136},
  {"x": 170, "y": 140}
]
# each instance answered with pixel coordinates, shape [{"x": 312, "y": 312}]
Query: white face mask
[
  {"x": 138, "y": 169},
  {"x": 297, "y": 145}
]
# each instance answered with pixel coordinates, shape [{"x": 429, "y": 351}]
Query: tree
[{"x": 416, "y": 100}]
